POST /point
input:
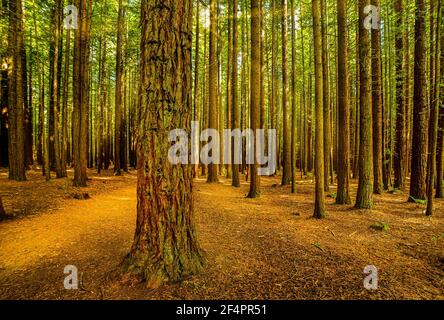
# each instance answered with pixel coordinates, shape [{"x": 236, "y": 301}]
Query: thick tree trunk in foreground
[
  {"x": 343, "y": 193},
  {"x": 419, "y": 141},
  {"x": 319, "y": 212},
  {"x": 165, "y": 245},
  {"x": 255, "y": 98},
  {"x": 365, "y": 189}
]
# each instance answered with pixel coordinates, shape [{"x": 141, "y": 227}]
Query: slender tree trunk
[
  {"x": 196, "y": 79},
  {"x": 434, "y": 115},
  {"x": 319, "y": 212},
  {"x": 234, "y": 94},
  {"x": 212, "y": 83},
  {"x": 326, "y": 97},
  {"x": 16, "y": 93},
  {"x": 343, "y": 194},
  {"x": 64, "y": 131},
  {"x": 419, "y": 142},
  {"x": 255, "y": 98},
  {"x": 365, "y": 189},
  {"x": 286, "y": 156},
  {"x": 377, "y": 106},
  {"x": 165, "y": 245},
  {"x": 81, "y": 93},
  {"x": 400, "y": 152},
  {"x": 120, "y": 79},
  {"x": 293, "y": 99}
]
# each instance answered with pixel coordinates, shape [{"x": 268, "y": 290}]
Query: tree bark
[
  {"x": 365, "y": 189},
  {"x": 343, "y": 193},
  {"x": 419, "y": 142},
  {"x": 286, "y": 156},
  {"x": 319, "y": 211},
  {"x": 165, "y": 245}
]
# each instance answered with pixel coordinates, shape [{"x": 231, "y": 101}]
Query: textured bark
[
  {"x": 255, "y": 98},
  {"x": 54, "y": 102},
  {"x": 165, "y": 247},
  {"x": 377, "y": 106},
  {"x": 419, "y": 139},
  {"x": 343, "y": 193},
  {"x": 212, "y": 86},
  {"x": 196, "y": 77},
  {"x": 81, "y": 84},
  {"x": 234, "y": 92},
  {"x": 16, "y": 93},
  {"x": 293, "y": 98},
  {"x": 64, "y": 111},
  {"x": 440, "y": 143},
  {"x": 400, "y": 62},
  {"x": 365, "y": 189},
  {"x": 119, "y": 141},
  {"x": 434, "y": 115},
  {"x": 2, "y": 210},
  {"x": 319, "y": 211},
  {"x": 286, "y": 156},
  {"x": 4, "y": 131},
  {"x": 326, "y": 97}
]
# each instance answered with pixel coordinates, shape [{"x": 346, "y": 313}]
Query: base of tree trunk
[{"x": 143, "y": 268}]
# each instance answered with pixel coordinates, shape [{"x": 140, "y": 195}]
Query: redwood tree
[
  {"x": 319, "y": 211},
  {"x": 165, "y": 245},
  {"x": 365, "y": 189},
  {"x": 343, "y": 193},
  {"x": 420, "y": 105}
]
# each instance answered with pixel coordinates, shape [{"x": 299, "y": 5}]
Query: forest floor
[{"x": 268, "y": 248}]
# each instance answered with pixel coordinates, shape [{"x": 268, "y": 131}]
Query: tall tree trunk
[
  {"x": 365, "y": 189},
  {"x": 377, "y": 105},
  {"x": 293, "y": 98},
  {"x": 319, "y": 211},
  {"x": 255, "y": 98},
  {"x": 440, "y": 143},
  {"x": 165, "y": 245},
  {"x": 212, "y": 83},
  {"x": 286, "y": 156},
  {"x": 16, "y": 93},
  {"x": 120, "y": 79},
  {"x": 400, "y": 152},
  {"x": 54, "y": 127},
  {"x": 64, "y": 131},
  {"x": 196, "y": 81},
  {"x": 81, "y": 83},
  {"x": 419, "y": 142},
  {"x": 234, "y": 94},
  {"x": 343, "y": 193},
  {"x": 434, "y": 114},
  {"x": 326, "y": 97}
]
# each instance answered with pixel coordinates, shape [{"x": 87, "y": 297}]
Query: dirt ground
[{"x": 269, "y": 248}]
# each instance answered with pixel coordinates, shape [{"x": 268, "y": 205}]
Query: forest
[{"x": 221, "y": 149}]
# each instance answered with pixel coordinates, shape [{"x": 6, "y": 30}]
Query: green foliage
[
  {"x": 419, "y": 201},
  {"x": 380, "y": 226},
  {"x": 438, "y": 237}
]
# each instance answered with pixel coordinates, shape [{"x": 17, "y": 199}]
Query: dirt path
[{"x": 256, "y": 249}]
